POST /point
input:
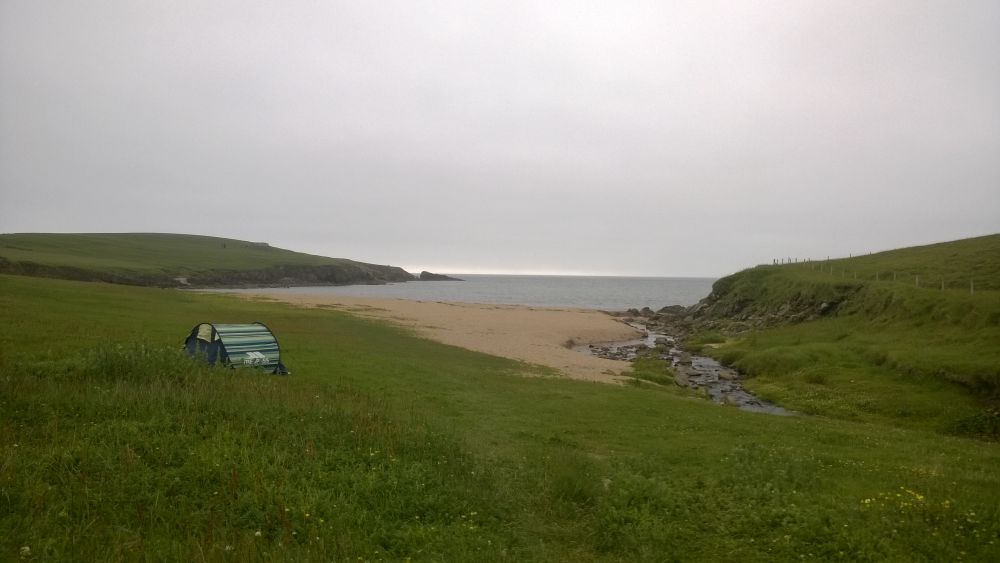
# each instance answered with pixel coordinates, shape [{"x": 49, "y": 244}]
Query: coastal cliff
[{"x": 172, "y": 260}]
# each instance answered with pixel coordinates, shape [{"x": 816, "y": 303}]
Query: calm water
[{"x": 605, "y": 293}]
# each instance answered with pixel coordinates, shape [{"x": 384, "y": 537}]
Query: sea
[{"x": 604, "y": 293}]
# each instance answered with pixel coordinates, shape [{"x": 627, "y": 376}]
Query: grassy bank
[
  {"x": 841, "y": 338},
  {"x": 383, "y": 446}
]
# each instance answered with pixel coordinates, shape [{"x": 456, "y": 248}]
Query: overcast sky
[{"x": 663, "y": 138}]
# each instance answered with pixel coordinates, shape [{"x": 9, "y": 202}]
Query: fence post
[{"x": 916, "y": 280}]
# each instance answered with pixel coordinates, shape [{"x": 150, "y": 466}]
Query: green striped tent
[{"x": 236, "y": 345}]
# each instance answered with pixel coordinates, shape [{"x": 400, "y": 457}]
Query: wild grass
[
  {"x": 383, "y": 446},
  {"x": 704, "y": 339},
  {"x": 649, "y": 367},
  {"x": 872, "y": 349},
  {"x": 834, "y": 368}
]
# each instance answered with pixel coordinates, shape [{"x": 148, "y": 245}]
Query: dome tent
[{"x": 236, "y": 345}]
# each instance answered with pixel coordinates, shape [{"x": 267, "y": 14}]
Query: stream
[{"x": 720, "y": 383}]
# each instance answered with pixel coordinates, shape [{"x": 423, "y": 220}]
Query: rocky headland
[{"x": 428, "y": 276}]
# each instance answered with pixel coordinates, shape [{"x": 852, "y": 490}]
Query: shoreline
[
  {"x": 609, "y": 294},
  {"x": 537, "y": 335}
]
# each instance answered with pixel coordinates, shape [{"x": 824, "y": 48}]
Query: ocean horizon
[{"x": 606, "y": 293}]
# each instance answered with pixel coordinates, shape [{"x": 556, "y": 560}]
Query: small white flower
[
  {"x": 257, "y": 533},
  {"x": 25, "y": 551},
  {"x": 229, "y": 548}
]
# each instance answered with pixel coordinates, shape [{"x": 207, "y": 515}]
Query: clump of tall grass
[
  {"x": 109, "y": 361},
  {"x": 651, "y": 369},
  {"x": 984, "y": 424},
  {"x": 141, "y": 361}
]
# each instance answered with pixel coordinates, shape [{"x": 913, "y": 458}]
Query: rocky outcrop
[
  {"x": 349, "y": 273},
  {"x": 740, "y": 308},
  {"x": 672, "y": 310},
  {"x": 428, "y": 276},
  {"x": 751, "y": 300}
]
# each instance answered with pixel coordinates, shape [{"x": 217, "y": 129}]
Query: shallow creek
[{"x": 720, "y": 383}]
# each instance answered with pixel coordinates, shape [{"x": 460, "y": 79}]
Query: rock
[
  {"x": 647, "y": 312},
  {"x": 673, "y": 310},
  {"x": 427, "y": 276},
  {"x": 737, "y": 327},
  {"x": 681, "y": 378},
  {"x": 728, "y": 374}
]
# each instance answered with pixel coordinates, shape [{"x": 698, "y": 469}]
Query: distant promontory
[
  {"x": 176, "y": 260},
  {"x": 428, "y": 276}
]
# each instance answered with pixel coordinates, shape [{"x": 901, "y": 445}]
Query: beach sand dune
[{"x": 536, "y": 335}]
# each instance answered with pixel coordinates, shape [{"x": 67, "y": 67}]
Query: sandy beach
[{"x": 531, "y": 334}]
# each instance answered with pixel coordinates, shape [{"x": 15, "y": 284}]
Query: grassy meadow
[{"x": 385, "y": 446}]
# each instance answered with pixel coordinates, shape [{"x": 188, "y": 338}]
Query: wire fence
[{"x": 836, "y": 269}]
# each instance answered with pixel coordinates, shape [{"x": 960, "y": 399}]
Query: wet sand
[{"x": 535, "y": 335}]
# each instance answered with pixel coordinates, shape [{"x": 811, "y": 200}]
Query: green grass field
[{"x": 384, "y": 446}]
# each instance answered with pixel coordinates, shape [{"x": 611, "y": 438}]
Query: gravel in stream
[{"x": 720, "y": 383}]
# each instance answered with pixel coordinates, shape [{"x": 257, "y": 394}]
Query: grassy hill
[
  {"x": 159, "y": 259},
  {"x": 952, "y": 268},
  {"x": 384, "y": 446},
  {"x": 870, "y": 337}
]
